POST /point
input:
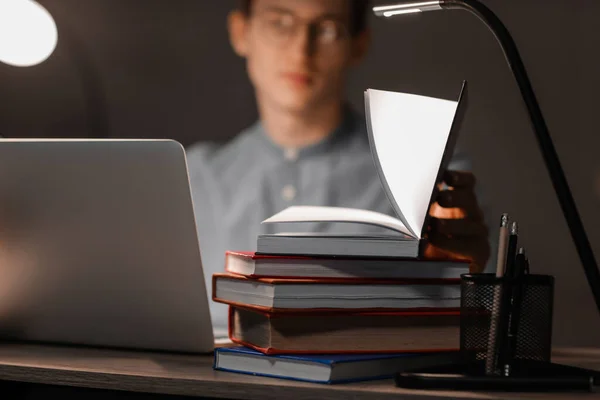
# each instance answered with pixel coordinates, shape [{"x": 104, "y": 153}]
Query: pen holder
[{"x": 480, "y": 304}]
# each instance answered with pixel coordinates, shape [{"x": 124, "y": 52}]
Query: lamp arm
[{"x": 549, "y": 154}]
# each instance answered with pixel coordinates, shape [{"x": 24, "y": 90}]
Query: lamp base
[{"x": 526, "y": 376}]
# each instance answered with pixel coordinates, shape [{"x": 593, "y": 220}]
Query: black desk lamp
[
  {"x": 555, "y": 170},
  {"x": 548, "y": 375}
]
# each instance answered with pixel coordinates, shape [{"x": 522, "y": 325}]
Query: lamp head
[
  {"x": 407, "y": 7},
  {"x": 28, "y": 33}
]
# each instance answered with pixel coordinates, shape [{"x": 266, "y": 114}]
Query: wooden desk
[{"x": 193, "y": 376}]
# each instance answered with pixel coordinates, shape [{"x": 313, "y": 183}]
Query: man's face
[{"x": 298, "y": 51}]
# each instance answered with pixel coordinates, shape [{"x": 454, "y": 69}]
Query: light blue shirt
[{"x": 237, "y": 185}]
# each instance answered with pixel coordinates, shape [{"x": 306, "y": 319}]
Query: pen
[
  {"x": 511, "y": 251},
  {"x": 505, "y": 311},
  {"x": 490, "y": 360},
  {"x": 515, "y": 315}
]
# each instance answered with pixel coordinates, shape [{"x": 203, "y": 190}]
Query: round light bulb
[{"x": 28, "y": 33}]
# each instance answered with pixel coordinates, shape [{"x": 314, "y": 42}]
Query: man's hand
[{"x": 457, "y": 229}]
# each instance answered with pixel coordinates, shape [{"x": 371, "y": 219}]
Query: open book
[{"x": 412, "y": 140}]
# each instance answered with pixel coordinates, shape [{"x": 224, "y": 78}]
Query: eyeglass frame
[{"x": 310, "y": 25}]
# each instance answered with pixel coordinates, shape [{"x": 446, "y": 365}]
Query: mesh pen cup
[{"x": 480, "y": 304}]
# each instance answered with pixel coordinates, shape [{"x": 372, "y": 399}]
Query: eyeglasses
[{"x": 281, "y": 27}]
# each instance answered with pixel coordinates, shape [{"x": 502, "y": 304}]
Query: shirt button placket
[
  {"x": 291, "y": 154},
  {"x": 288, "y": 192}
]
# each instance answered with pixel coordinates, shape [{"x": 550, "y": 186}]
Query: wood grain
[{"x": 192, "y": 375}]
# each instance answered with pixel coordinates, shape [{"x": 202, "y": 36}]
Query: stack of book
[
  {"x": 373, "y": 315},
  {"x": 338, "y": 307}
]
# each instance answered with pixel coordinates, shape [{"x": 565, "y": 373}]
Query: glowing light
[{"x": 28, "y": 33}]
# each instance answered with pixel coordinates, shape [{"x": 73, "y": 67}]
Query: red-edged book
[
  {"x": 341, "y": 295},
  {"x": 334, "y": 267},
  {"x": 337, "y": 333}
]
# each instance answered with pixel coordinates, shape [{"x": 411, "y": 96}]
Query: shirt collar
[{"x": 348, "y": 125}]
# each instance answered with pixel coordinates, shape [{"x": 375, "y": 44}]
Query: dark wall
[{"x": 163, "y": 68}]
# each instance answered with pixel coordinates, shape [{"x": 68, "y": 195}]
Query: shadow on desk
[{"x": 31, "y": 391}]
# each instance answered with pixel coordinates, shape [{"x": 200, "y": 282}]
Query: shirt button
[
  {"x": 288, "y": 192},
  {"x": 291, "y": 154}
]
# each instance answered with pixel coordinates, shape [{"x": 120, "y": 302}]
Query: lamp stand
[
  {"x": 526, "y": 374},
  {"x": 549, "y": 154}
]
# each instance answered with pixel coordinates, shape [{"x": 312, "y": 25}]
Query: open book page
[
  {"x": 338, "y": 214},
  {"x": 408, "y": 135}
]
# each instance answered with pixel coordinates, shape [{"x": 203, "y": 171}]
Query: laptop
[{"x": 99, "y": 247}]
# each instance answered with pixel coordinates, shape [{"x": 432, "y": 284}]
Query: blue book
[{"x": 325, "y": 368}]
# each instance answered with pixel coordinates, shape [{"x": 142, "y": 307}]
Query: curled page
[
  {"x": 338, "y": 214},
  {"x": 410, "y": 141}
]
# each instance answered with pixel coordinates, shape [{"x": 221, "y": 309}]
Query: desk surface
[{"x": 193, "y": 375}]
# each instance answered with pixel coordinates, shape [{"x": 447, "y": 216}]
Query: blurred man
[{"x": 308, "y": 147}]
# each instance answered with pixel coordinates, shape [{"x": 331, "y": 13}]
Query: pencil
[{"x": 502, "y": 245}]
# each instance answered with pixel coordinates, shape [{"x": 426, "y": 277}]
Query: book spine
[
  {"x": 275, "y": 351},
  {"x": 275, "y": 312}
]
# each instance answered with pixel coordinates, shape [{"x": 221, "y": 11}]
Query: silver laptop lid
[{"x": 98, "y": 245}]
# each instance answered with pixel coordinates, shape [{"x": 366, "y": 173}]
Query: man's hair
[{"x": 358, "y": 13}]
